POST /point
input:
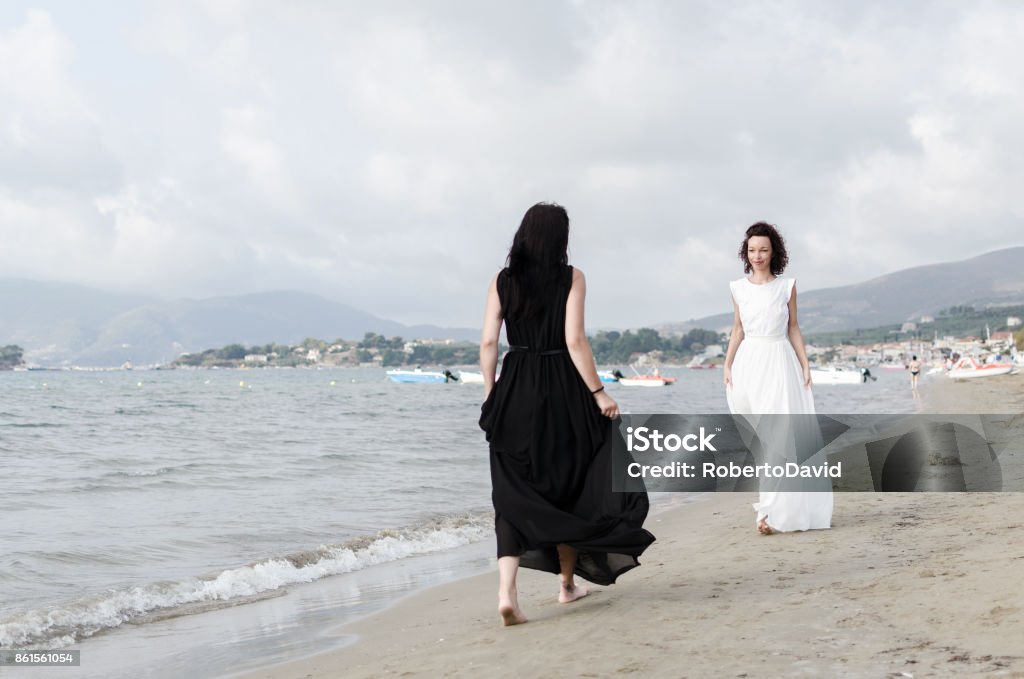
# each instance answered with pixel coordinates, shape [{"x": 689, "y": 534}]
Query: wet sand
[{"x": 907, "y": 584}]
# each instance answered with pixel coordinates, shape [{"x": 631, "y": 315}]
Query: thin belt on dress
[
  {"x": 765, "y": 338},
  {"x": 545, "y": 352}
]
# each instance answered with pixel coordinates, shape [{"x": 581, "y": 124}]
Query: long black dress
[{"x": 550, "y": 451}]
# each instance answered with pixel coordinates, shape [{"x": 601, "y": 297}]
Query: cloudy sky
[{"x": 382, "y": 154}]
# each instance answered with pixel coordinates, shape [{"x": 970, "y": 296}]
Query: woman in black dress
[{"x": 547, "y": 422}]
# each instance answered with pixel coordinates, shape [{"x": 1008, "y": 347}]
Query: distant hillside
[
  {"x": 993, "y": 278},
  {"x": 50, "y": 318},
  {"x": 60, "y": 323}
]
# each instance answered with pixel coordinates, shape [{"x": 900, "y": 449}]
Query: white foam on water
[{"x": 63, "y": 625}]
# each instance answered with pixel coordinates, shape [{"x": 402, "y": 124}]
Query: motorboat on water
[
  {"x": 470, "y": 377},
  {"x": 423, "y": 376},
  {"x": 652, "y": 380},
  {"x": 610, "y": 376},
  {"x": 838, "y": 374},
  {"x": 968, "y": 367},
  {"x": 644, "y": 381}
]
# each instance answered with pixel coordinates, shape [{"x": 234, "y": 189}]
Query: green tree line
[
  {"x": 10, "y": 356},
  {"x": 609, "y": 347},
  {"x": 616, "y": 347},
  {"x": 389, "y": 350},
  {"x": 956, "y": 321}
]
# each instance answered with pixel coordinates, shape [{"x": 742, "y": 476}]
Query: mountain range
[
  {"x": 995, "y": 278},
  {"x": 62, "y": 323}
]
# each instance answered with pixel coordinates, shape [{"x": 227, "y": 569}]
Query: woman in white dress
[{"x": 766, "y": 372}]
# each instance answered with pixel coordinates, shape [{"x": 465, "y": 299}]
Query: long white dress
[{"x": 767, "y": 379}]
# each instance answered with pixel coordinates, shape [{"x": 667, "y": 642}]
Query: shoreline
[
  {"x": 904, "y": 584},
  {"x": 981, "y": 395},
  {"x": 874, "y": 596}
]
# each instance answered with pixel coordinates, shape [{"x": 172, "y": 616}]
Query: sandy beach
[
  {"x": 903, "y": 585},
  {"x": 1003, "y": 394}
]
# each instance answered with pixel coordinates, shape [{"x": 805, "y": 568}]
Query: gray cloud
[{"x": 382, "y": 154}]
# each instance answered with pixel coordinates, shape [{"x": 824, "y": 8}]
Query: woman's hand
[
  {"x": 487, "y": 395},
  {"x": 608, "y": 406},
  {"x": 727, "y": 376},
  {"x": 807, "y": 376}
]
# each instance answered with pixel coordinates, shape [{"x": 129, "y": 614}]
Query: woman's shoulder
[
  {"x": 500, "y": 280},
  {"x": 570, "y": 275},
  {"x": 786, "y": 286}
]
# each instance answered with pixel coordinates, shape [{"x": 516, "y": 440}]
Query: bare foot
[
  {"x": 569, "y": 593},
  {"x": 763, "y": 528},
  {"x": 509, "y": 611}
]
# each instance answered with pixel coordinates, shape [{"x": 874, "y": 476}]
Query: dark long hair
[
  {"x": 780, "y": 258},
  {"x": 537, "y": 260}
]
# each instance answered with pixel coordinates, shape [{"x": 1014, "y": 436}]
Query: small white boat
[
  {"x": 969, "y": 368},
  {"x": 653, "y": 378},
  {"x": 837, "y": 374},
  {"x": 609, "y": 376},
  {"x": 473, "y": 377},
  {"x": 646, "y": 381},
  {"x": 424, "y": 376}
]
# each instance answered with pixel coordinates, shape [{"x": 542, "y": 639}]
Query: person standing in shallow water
[
  {"x": 548, "y": 423},
  {"x": 915, "y": 370},
  {"x": 767, "y": 373}
]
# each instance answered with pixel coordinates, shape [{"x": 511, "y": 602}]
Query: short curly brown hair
[{"x": 780, "y": 258}]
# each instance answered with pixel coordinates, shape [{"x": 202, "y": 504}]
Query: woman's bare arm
[
  {"x": 579, "y": 347},
  {"x": 734, "y": 343},
  {"x": 489, "y": 337},
  {"x": 797, "y": 339}
]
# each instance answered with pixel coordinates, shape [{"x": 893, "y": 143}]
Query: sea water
[{"x": 134, "y": 498}]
